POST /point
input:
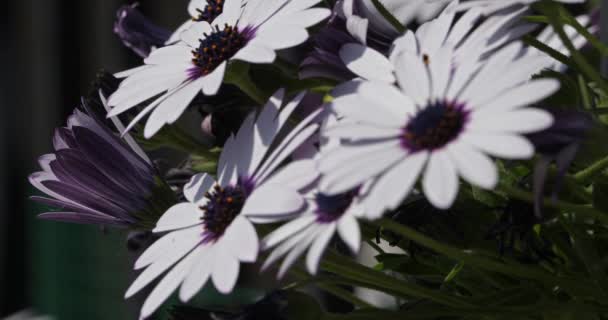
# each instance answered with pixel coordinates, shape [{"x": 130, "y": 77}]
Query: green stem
[
  {"x": 471, "y": 257},
  {"x": 328, "y": 286},
  {"x": 238, "y": 75},
  {"x": 583, "y": 210},
  {"x": 584, "y": 176},
  {"x": 348, "y": 269}
]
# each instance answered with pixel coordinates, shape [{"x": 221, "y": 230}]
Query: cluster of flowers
[{"x": 404, "y": 112}]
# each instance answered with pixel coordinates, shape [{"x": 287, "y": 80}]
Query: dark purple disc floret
[{"x": 94, "y": 177}]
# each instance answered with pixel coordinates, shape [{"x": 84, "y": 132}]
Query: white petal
[
  {"x": 296, "y": 175},
  {"x": 358, "y": 131},
  {"x": 289, "y": 244},
  {"x": 195, "y": 189},
  {"x": 194, "y": 5},
  {"x": 157, "y": 268},
  {"x": 181, "y": 215},
  {"x": 440, "y": 66},
  {"x": 523, "y": 95},
  {"x": 521, "y": 121},
  {"x": 348, "y": 229},
  {"x": 473, "y": 166},
  {"x": 416, "y": 87},
  {"x": 195, "y": 33},
  {"x": 225, "y": 271},
  {"x": 357, "y": 27},
  {"x": 287, "y": 230},
  {"x": 367, "y": 63},
  {"x": 358, "y": 171},
  {"x": 231, "y": 12},
  {"x": 389, "y": 97},
  {"x": 272, "y": 200},
  {"x": 297, "y": 251},
  {"x": 391, "y": 189},
  {"x": 167, "y": 286},
  {"x": 241, "y": 240},
  {"x": 507, "y": 146},
  {"x": 196, "y": 279},
  {"x": 212, "y": 82},
  {"x": 359, "y": 108},
  {"x": 174, "y": 104},
  {"x": 255, "y": 53},
  {"x": 169, "y": 55},
  {"x": 279, "y": 36},
  {"x": 176, "y": 243},
  {"x": 440, "y": 182},
  {"x": 313, "y": 258}
]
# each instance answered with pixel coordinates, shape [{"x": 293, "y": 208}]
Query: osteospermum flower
[
  {"x": 442, "y": 123},
  {"x": 94, "y": 177},
  {"x": 211, "y": 233},
  {"x": 250, "y": 32}
]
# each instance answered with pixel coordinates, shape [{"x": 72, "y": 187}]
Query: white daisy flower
[
  {"x": 211, "y": 234},
  {"x": 312, "y": 230},
  {"x": 491, "y": 6},
  {"x": 442, "y": 122},
  {"x": 250, "y": 32}
]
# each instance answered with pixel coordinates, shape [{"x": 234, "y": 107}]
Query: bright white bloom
[
  {"x": 490, "y": 6},
  {"x": 441, "y": 122},
  {"x": 211, "y": 234},
  {"x": 250, "y": 32},
  {"x": 312, "y": 230}
]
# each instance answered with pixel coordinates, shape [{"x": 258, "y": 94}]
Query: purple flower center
[
  {"x": 217, "y": 47},
  {"x": 211, "y": 11},
  {"x": 331, "y": 207},
  {"x": 434, "y": 126},
  {"x": 224, "y": 205}
]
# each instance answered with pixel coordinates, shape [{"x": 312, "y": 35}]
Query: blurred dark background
[{"x": 50, "y": 55}]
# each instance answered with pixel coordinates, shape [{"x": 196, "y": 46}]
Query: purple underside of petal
[
  {"x": 109, "y": 161},
  {"x": 87, "y": 199},
  {"x": 67, "y": 206},
  {"x": 142, "y": 167},
  {"x": 71, "y": 167},
  {"x": 81, "y": 218},
  {"x": 63, "y": 138}
]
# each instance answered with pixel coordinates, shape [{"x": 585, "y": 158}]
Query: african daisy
[
  {"x": 249, "y": 32},
  {"x": 211, "y": 234},
  {"x": 442, "y": 123}
]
